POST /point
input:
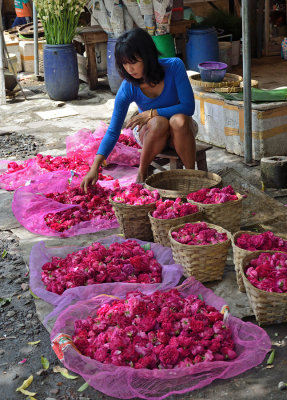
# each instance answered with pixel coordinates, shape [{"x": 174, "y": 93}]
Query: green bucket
[{"x": 165, "y": 45}]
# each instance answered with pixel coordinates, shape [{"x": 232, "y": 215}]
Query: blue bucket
[{"x": 202, "y": 46}]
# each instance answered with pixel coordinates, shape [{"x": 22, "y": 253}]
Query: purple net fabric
[
  {"x": 171, "y": 273},
  {"x": 19, "y": 178},
  {"x": 86, "y": 143},
  {"x": 251, "y": 344},
  {"x": 30, "y": 206}
]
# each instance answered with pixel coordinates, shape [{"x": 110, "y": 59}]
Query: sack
[
  {"x": 251, "y": 345},
  {"x": 171, "y": 272}
]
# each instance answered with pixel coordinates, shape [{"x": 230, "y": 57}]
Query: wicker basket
[
  {"x": 206, "y": 263},
  {"x": 160, "y": 227},
  {"x": 268, "y": 307},
  {"x": 227, "y": 215},
  {"x": 238, "y": 255},
  {"x": 229, "y": 80},
  {"x": 133, "y": 219},
  {"x": 181, "y": 182}
]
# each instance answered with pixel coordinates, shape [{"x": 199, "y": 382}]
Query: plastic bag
[
  {"x": 87, "y": 143},
  {"x": 171, "y": 272},
  {"x": 30, "y": 206},
  {"x": 251, "y": 344},
  {"x": 22, "y": 177}
]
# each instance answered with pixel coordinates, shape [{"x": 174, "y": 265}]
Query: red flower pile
[
  {"x": 213, "y": 196},
  {"x": 268, "y": 272},
  {"x": 169, "y": 209},
  {"x": 158, "y": 331},
  {"x": 121, "y": 262},
  {"x": 128, "y": 140},
  {"x": 135, "y": 194},
  {"x": 13, "y": 166},
  {"x": 59, "y": 163},
  {"x": 198, "y": 234},
  {"x": 263, "y": 241},
  {"x": 94, "y": 204}
]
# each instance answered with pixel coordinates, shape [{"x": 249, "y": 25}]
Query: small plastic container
[{"x": 212, "y": 71}]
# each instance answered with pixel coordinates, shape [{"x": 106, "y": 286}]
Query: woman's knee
[
  {"x": 179, "y": 122},
  {"x": 158, "y": 126}
]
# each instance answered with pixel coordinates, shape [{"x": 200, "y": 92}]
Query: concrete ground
[{"x": 51, "y": 122}]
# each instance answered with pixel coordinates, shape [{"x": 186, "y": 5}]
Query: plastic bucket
[
  {"x": 12, "y": 65},
  {"x": 202, "y": 45},
  {"x": 61, "y": 71},
  {"x": 114, "y": 77},
  {"x": 165, "y": 45}
]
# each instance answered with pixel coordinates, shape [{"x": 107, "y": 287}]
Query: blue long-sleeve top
[{"x": 176, "y": 98}]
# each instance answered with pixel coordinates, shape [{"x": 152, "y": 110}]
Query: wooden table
[{"x": 90, "y": 36}]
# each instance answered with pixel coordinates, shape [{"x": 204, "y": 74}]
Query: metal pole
[
  {"x": 2, "y": 77},
  {"x": 246, "y": 53},
  {"x": 36, "y": 52}
]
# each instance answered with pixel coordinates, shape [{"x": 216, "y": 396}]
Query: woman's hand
[
  {"x": 92, "y": 176},
  {"x": 89, "y": 179},
  {"x": 140, "y": 119}
]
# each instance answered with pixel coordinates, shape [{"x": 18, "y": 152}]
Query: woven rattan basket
[
  {"x": 206, "y": 263},
  {"x": 227, "y": 215},
  {"x": 134, "y": 221},
  {"x": 268, "y": 307},
  {"x": 181, "y": 182},
  {"x": 160, "y": 227},
  {"x": 229, "y": 80},
  {"x": 238, "y": 255}
]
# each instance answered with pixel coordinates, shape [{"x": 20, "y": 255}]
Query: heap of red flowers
[
  {"x": 135, "y": 194},
  {"x": 263, "y": 241},
  {"x": 121, "y": 262},
  {"x": 93, "y": 204},
  {"x": 169, "y": 209},
  {"x": 198, "y": 234},
  {"x": 128, "y": 140},
  {"x": 213, "y": 196},
  {"x": 159, "y": 331},
  {"x": 59, "y": 163},
  {"x": 268, "y": 272}
]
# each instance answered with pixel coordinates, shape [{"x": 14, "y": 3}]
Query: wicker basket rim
[
  {"x": 228, "y": 80},
  {"x": 201, "y": 245},
  {"x": 171, "y": 219},
  {"x": 187, "y": 172},
  {"x": 249, "y": 257},
  {"x": 218, "y": 204},
  {"x": 124, "y": 205}
]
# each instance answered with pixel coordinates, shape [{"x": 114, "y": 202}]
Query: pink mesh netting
[
  {"x": 13, "y": 181},
  {"x": 171, "y": 272},
  {"x": 86, "y": 143},
  {"x": 30, "y": 206},
  {"x": 251, "y": 344}
]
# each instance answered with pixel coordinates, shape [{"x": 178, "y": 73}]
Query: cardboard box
[
  {"x": 13, "y": 48},
  {"x": 27, "y": 55}
]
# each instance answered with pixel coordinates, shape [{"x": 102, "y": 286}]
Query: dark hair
[{"x": 132, "y": 45}]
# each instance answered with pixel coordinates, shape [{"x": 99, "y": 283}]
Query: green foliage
[
  {"x": 221, "y": 19},
  {"x": 59, "y": 18}
]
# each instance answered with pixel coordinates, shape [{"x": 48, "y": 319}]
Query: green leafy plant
[
  {"x": 221, "y": 19},
  {"x": 59, "y": 18}
]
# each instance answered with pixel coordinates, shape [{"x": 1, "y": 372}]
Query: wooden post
[{"x": 2, "y": 77}]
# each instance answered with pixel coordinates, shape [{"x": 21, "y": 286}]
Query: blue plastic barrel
[
  {"x": 114, "y": 77},
  {"x": 61, "y": 71},
  {"x": 202, "y": 45}
]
